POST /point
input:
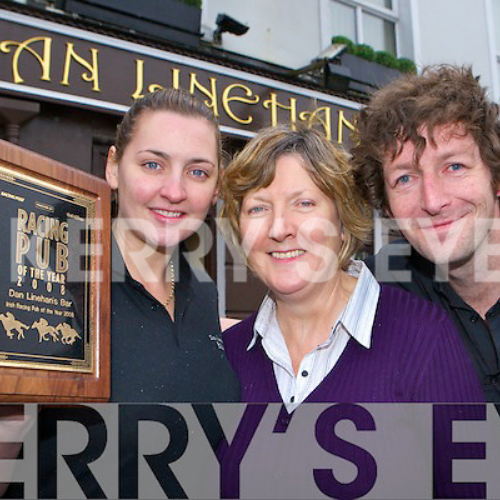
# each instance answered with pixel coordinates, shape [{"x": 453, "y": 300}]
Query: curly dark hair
[{"x": 441, "y": 95}]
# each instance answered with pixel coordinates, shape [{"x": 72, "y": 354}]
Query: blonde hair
[{"x": 329, "y": 167}]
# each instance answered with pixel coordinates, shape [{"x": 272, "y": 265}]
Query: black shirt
[
  {"x": 155, "y": 359},
  {"x": 400, "y": 265}
]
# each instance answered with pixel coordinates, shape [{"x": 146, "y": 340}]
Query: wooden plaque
[{"x": 54, "y": 281}]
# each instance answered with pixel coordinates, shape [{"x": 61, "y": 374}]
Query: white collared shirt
[{"x": 356, "y": 321}]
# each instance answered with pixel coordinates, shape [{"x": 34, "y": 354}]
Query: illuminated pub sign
[{"x": 47, "y": 60}]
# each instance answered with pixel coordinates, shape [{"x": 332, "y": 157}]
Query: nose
[
  {"x": 434, "y": 195},
  {"x": 281, "y": 227},
  {"x": 173, "y": 188}
]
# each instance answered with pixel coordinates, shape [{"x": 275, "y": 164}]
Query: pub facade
[{"x": 65, "y": 84}]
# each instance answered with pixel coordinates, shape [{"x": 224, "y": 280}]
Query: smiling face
[
  {"x": 166, "y": 178},
  {"x": 291, "y": 231},
  {"x": 445, "y": 205}
]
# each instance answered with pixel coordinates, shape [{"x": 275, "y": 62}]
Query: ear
[
  {"x": 112, "y": 168},
  {"x": 215, "y": 197}
]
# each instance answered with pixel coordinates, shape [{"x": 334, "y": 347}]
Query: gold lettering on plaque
[
  {"x": 211, "y": 94},
  {"x": 61, "y": 258},
  {"x": 43, "y": 59},
  {"x": 273, "y": 105},
  {"x": 93, "y": 68},
  {"x": 46, "y": 229},
  {"x": 227, "y": 99}
]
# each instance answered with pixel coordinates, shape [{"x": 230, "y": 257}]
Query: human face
[
  {"x": 291, "y": 231},
  {"x": 166, "y": 179},
  {"x": 445, "y": 205}
]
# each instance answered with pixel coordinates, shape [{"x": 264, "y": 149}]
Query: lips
[
  {"x": 437, "y": 224},
  {"x": 289, "y": 254},
  {"x": 168, "y": 214}
]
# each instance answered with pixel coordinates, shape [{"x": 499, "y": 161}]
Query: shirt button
[
  {"x": 305, "y": 373},
  {"x": 292, "y": 399},
  {"x": 474, "y": 318}
]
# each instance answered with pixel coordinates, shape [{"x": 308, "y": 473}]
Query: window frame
[{"x": 361, "y": 7}]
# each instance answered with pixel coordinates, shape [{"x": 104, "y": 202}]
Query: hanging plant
[{"x": 381, "y": 57}]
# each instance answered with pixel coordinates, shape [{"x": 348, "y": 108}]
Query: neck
[
  {"x": 477, "y": 281},
  {"x": 307, "y": 322},
  {"x": 479, "y": 290},
  {"x": 144, "y": 263}
]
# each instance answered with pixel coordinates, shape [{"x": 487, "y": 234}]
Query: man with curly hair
[{"x": 428, "y": 158}]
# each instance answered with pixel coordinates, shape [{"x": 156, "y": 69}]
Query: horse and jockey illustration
[{"x": 63, "y": 332}]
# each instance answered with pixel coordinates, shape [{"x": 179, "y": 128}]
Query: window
[
  {"x": 366, "y": 21},
  {"x": 379, "y": 33}
]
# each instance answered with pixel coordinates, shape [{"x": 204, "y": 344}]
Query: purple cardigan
[{"x": 416, "y": 356}]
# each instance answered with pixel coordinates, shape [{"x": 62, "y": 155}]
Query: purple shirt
[{"x": 416, "y": 356}]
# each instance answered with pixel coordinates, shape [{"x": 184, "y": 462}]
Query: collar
[
  {"x": 186, "y": 277},
  {"x": 356, "y": 318}
]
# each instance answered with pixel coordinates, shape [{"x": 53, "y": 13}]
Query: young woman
[{"x": 165, "y": 332}]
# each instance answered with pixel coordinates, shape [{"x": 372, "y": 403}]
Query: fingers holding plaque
[{"x": 54, "y": 289}]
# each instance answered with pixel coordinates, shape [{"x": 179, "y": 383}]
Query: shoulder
[
  {"x": 405, "y": 307},
  {"x": 412, "y": 324},
  {"x": 400, "y": 265},
  {"x": 433, "y": 364}
]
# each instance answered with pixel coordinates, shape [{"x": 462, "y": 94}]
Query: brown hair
[
  {"x": 442, "y": 95},
  {"x": 175, "y": 100},
  {"x": 255, "y": 167}
]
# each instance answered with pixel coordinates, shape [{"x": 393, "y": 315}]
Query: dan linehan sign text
[{"x": 52, "y": 61}]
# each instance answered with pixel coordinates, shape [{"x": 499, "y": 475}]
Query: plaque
[{"x": 54, "y": 281}]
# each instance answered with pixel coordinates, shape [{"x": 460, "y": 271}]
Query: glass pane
[
  {"x": 343, "y": 20},
  {"x": 382, "y": 3},
  {"x": 496, "y": 23},
  {"x": 379, "y": 33}
]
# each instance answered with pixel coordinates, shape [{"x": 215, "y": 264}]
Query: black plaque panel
[{"x": 45, "y": 274}]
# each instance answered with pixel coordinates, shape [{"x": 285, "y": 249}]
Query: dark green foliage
[
  {"x": 386, "y": 59},
  {"x": 364, "y": 51},
  {"x": 345, "y": 41},
  {"x": 406, "y": 65}
]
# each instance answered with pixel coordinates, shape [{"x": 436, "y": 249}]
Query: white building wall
[
  {"x": 291, "y": 33},
  {"x": 456, "y": 32},
  {"x": 283, "y": 32}
]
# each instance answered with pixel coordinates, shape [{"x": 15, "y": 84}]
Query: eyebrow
[{"x": 294, "y": 194}]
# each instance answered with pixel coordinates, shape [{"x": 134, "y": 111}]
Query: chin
[
  {"x": 162, "y": 241},
  {"x": 287, "y": 289}
]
